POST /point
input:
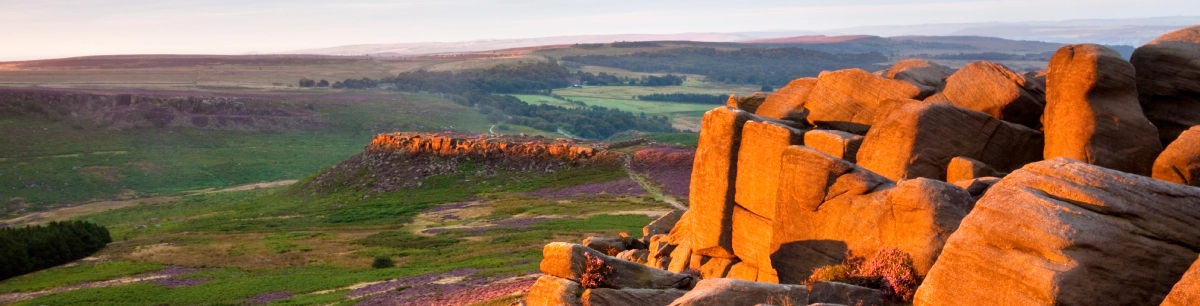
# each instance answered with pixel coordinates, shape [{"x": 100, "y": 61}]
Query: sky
[{"x": 36, "y": 29}]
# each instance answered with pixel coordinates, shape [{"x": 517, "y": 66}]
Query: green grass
[{"x": 76, "y": 274}]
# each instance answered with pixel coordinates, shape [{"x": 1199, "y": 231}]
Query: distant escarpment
[
  {"x": 405, "y": 160},
  {"x": 156, "y": 109}
]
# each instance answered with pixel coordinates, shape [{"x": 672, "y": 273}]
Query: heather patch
[{"x": 620, "y": 187}]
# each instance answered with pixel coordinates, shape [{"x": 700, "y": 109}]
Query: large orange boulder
[
  {"x": 828, "y": 206},
  {"x": 963, "y": 169},
  {"x": 1180, "y": 162},
  {"x": 787, "y": 103},
  {"x": 995, "y": 90},
  {"x": 554, "y": 291},
  {"x": 847, "y": 99},
  {"x": 1064, "y": 232},
  {"x": 1092, "y": 111},
  {"x": 758, "y": 163},
  {"x": 928, "y": 76},
  {"x": 570, "y": 261},
  {"x": 749, "y": 103},
  {"x": 833, "y": 142},
  {"x": 1187, "y": 291},
  {"x": 1168, "y": 81},
  {"x": 914, "y": 139},
  {"x": 713, "y": 184}
]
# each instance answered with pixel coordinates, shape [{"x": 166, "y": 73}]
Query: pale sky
[{"x": 33, "y": 29}]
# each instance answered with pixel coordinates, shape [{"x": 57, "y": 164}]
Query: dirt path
[
  {"x": 170, "y": 272},
  {"x": 67, "y": 213}
]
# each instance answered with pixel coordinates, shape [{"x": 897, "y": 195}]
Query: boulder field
[{"x": 1076, "y": 185}]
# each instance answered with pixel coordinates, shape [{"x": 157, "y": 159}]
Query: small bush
[
  {"x": 889, "y": 270},
  {"x": 383, "y": 262},
  {"x": 596, "y": 273}
]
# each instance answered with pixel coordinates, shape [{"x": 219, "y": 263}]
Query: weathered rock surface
[
  {"x": 717, "y": 267},
  {"x": 660, "y": 249},
  {"x": 914, "y": 139},
  {"x": 997, "y": 91},
  {"x": 928, "y": 76},
  {"x": 568, "y": 261},
  {"x": 751, "y": 238},
  {"x": 1187, "y": 291},
  {"x": 554, "y": 291},
  {"x": 662, "y": 225},
  {"x": 845, "y": 294},
  {"x": 758, "y": 164},
  {"x": 743, "y": 271},
  {"x": 749, "y": 103},
  {"x": 733, "y": 292},
  {"x": 787, "y": 103},
  {"x": 835, "y": 143},
  {"x": 608, "y": 245},
  {"x": 1092, "y": 111},
  {"x": 1180, "y": 162},
  {"x": 962, "y": 168},
  {"x": 1168, "y": 81},
  {"x": 1063, "y": 232},
  {"x": 847, "y": 100},
  {"x": 829, "y": 206},
  {"x": 630, "y": 297},
  {"x": 714, "y": 173},
  {"x": 977, "y": 187},
  {"x": 638, "y": 256}
]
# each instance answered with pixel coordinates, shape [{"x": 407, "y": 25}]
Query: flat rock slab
[
  {"x": 630, "y": 297},
  {"x": 733, "y": 292},
  {"x": 568, "y": 261}
]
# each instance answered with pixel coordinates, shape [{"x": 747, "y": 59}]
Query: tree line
[
  {"x": 592, "y": 122},
  {"x": 685, "y": 98},
  {"x": 755, "y": 66},
  {"x": 32, "y": 248}
]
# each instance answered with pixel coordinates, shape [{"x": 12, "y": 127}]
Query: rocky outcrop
[
  {"x": 997, "y": 91},
  {"x": 928, "y": 76},
  {"x": 714, "y": 174},
  {"x": 1168, "y": 81},
  {"x": 1092, "y": 111},
  {"x": 848, "y": 100},
  {"x": 733, "y": 292},
  {"x": 1180, "y": 162},
  {"x": 630, "y": 297},
  {"x": 450, "y": 145},
  {"x": 749, "y": 103},
  {"x": 1060, "y": 232},
  {"x": 838, "y": 144},
  {"x": 758, "y": 164},
  {"x": 569, "y": 261},
  {"x": 1187, "y": 291},
  {"x": 962, "y": 169},
  {"x": 914, "y": 139},
  {"x": 554, "y": 291},
  {"x": 787, "y": 103}
]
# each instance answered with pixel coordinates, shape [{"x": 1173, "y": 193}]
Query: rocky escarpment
[
  {"x": 405, "y": 160},
  {"x": 124, "y": 111},
  {"x": 995, "y": 189}
]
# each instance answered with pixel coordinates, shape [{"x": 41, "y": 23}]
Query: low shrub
[
  {"x": 889, "y": 270},
  {"x": 382, "y": 262},
  {"x": 596, "y": 273}
]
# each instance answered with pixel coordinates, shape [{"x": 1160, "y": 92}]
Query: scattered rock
[
  {"x": 1168, "y": 81},
  {"x": 916, "y": 139},
  {"x": 663, "y": 224},
  {"x": 1061, "y": 232},
  {"x": 608, "y": 245},
  {"x": 1180, "y": 162},
  {"x": 713, "y": 182},
  {"x": 733, "y": 292},
  {"x": 638, "y": 256},
  {"x": 787, "y": 103},
  {"x": 1187, "y": 291},
  {"x": 630, "y": 297},
  {"x": 659, "y": 255},
  {"x": 1092, "y": 111},
  {"x": 848, "y": 100},
  {"x": 835, "y": 143},
  {"x": 554, "y": 291},
  {"x": 568, "y": 261},
  {"x": 962, "y": 169},
  {"x": 749, "y": 103},
  {"x": 845, "y": 294},
  {"x": 997, "y": 91},
  {"x": 928, "y": 76}
]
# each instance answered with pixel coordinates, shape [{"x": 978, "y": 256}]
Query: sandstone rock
[
  {"x": 733, "y": 292},
  {"x": 1180, "y": 162},
  {"x": 977, "y": 187},
  {"x": 554, "y": 291},
  {"x": 916, "y": 139},
  {"x": 681, "y": 258},
  {"x": 659, "y": 255},
  {"x": 847, "y": 100},
  {"x": 630, "y": 297},
  {"x": 928, "y": 76},
  {"x": 845, "y": 294},
  {"x": 743, "y": 271},
  {"x": 713, "y": 182},
  {"x": 758, "y": 161},
  {"x": 1168, "y": 81},
  {"x": 751, "y": 237},
  {"x": 937, "y": 98},
  {"x": 568, "y": 261},
  {"x": 962, "y": 169},
  {"x": 835, "y": 143},
  {"x": 749, "y": 103},
  {"x": 1092, "y": 111},
  {"x": 787, "y": 103},
  {"x": 829, "y": 206},
  {"x": 717, "y": 267},
  {"x": 1063, "y": 232},
  {"x": 1038, "y": 76},
  {"x": 1187, "y": 291},
  {"x": 663, "y": 224},
  {"x": 608, "y": 245},
  {"x": 997, "y": 91},
  {"x": 639, "y": 256}
]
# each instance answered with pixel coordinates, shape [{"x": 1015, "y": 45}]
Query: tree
[
  {"x": 305, "y": 82},
  {"x": 323, "y": 83}
]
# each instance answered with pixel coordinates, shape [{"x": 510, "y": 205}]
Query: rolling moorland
[{"x": 247, "y": 206}]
